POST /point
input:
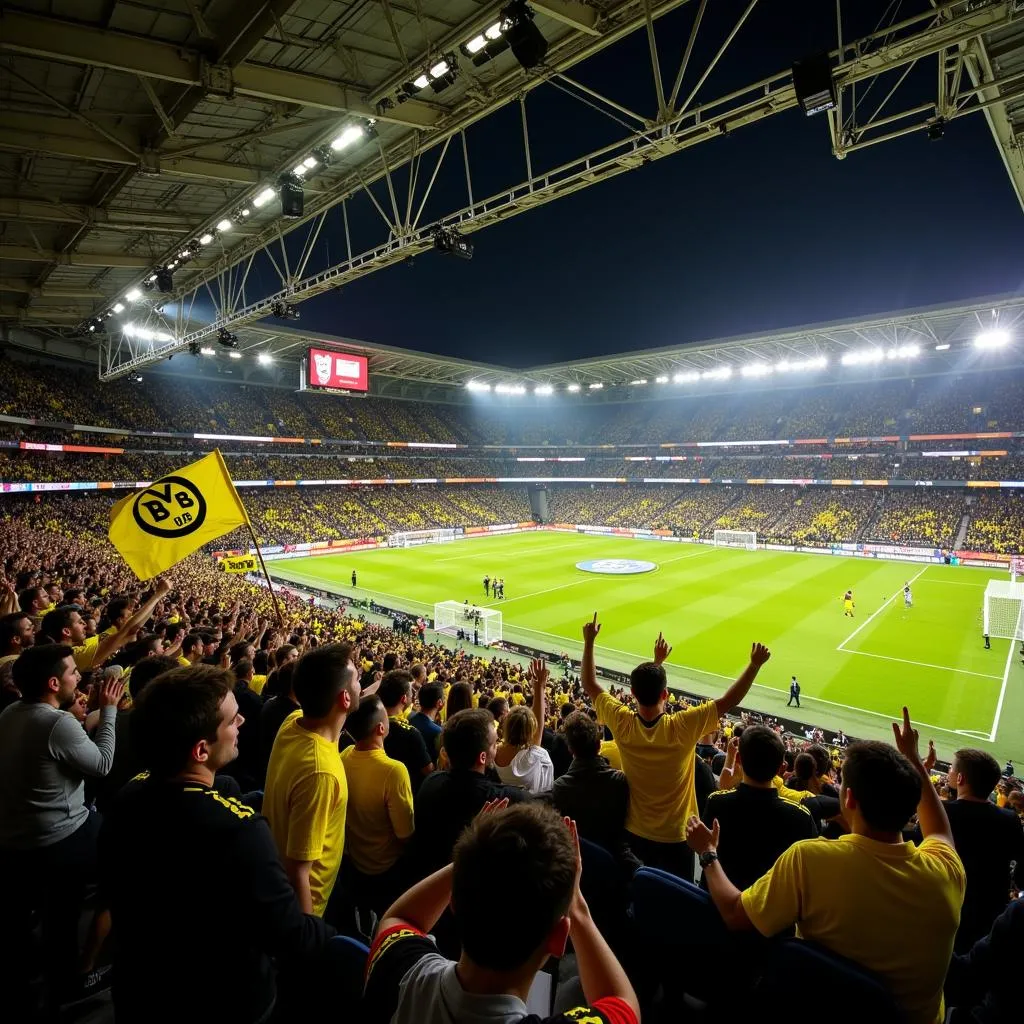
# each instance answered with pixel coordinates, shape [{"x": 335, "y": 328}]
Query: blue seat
[
  {"x": 603, "y": 885},
  {"x": 685, "y": 947},
  {"x": 849, "y": 991}
]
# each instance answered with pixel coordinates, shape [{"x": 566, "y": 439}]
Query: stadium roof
[
  {"x": 936, "y": 340},
  {"x": 129, "y": 130}
]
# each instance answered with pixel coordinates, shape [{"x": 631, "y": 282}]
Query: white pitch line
[
  {"x": 1002, "y": 691},
  {"x": 885, "y": 604},
  {"x": 925, "y": 664},
  {"x": 954, "y": 583},
  {"x": 537, "y": 593},
  {"x": 761, "y": 686}
]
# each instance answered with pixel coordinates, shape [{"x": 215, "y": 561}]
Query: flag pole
[{"x": 263, "y": 566}]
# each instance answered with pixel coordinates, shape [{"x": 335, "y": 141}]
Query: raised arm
[
  {"x": 931, "y": 815},
  {"x": 759, "y": 654},
  {"x": 588, "y": 673},
  {"x": 538, "y": 676},
  {"x": 108, "y": 645}
]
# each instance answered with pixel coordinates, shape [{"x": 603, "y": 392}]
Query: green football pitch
[{"x": 711, "y": 603}]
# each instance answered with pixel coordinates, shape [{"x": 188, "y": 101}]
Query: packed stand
[{"x": 930, "y": 518}]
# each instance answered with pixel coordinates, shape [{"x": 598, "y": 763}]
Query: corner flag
[{"x": 160, "y": 525}]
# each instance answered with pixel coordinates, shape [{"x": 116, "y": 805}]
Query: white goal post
[
  {"x": 736, "y": 539},
  {"x": 453, "y": 617},
  {"x": 413, "y": 538},
  {"x": 1003, "y": 615}
]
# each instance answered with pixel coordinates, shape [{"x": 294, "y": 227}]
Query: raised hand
[
  {"x": 906, "y": 739},
  {"x": 538, "y": 673},
  {"x": 492, "y": 806},
  {"x": 931, "y": 757},
  {"x": 111, "y": 693},
  {"x": 699, "y": 837},
  {"x": 590, "y": 630},
  {"x": 759, "y": 654},
  {"x": 661, "y": 650}
]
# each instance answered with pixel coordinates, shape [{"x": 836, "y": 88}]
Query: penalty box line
[{"x": 885, "y": 604}]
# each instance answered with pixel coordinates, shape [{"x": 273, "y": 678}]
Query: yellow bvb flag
[{"x": 160, "y": 525}]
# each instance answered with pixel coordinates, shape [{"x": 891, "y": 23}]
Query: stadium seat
[
  {"x": 686, "y": 949},
  {"x": 604, "y": 889},
  {"x": 850, "y": 992}
]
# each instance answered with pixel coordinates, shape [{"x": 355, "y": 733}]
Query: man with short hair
[
  {"x": 591, "y": 792},
  {"x": 988, "y": 839},
  {"x": 756, "y": 823},
  {"x": 449, "y": 800},
  {"x": 409, "y": 982},
  {"x": 215, "y": 869},
  {"x": 404, "y": 742},
  {"x": 191, "y": 650},
  {"x": 47, "y": 833},
  {"x": 658, "y": 750},
  {"x": 33, "y": 601},
  {"x": 306, "y": 792},
  {"x": 431, "y": 697},
  {"x": 890, "y": 906},
  {"x": 379, "y": 815},
  {"x": 17, "y": 634}
]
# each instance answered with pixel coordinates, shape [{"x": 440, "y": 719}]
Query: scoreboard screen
[{"x": 330, "y": 370}]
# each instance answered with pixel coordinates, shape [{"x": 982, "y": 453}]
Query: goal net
[
  {"x": 455, "y": 617},
  {"x": 736, "y": 539},
  {"x": 1003, "y": 615},
  {"x": 413, "y": 538}
]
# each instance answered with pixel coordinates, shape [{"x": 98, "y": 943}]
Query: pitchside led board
[{"x": 329, "y": 370}]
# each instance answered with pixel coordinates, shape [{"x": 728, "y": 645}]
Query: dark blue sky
[{"x": 760, "y": 230}]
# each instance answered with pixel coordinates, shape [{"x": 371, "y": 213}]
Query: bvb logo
[{"x": 170, "y": 508}]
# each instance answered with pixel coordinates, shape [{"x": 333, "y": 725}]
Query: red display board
[{"x": 330, "y": 370}]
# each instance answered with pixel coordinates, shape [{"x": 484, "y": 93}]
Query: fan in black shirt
[
  {"x": 403, "y": 741},
  {"x": 211, "y": 903},
  {"x": 987, "y": 839}
]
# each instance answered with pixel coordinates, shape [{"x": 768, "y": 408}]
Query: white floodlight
[
  {"x": 641, "y": 380},
  {"x": 718, "y": 373},
  {"x": 756, "y": 370},
  {"x": 477, "y": 385},
  {"x": 224, "y": 225},
  {"x": 207, "y": 351},
  {"x": 133, "y": 295},
  {"x": 205, "y": 239},
  {"x": 310, "y": 162},
  {"x": 299, "y": 170},
  {"x": 543, "y": 389},
  {"x": 264, "y": 197},
  {"x": 572, "y": 387},
  {"x": 476, "y": 44},
  {"x": 903, "y": 352},
  {"x": 244, "y": 211},
  {"x": 421, "y": 82},
  {"x": 118, "y": 307},
  {"x": 355, "y": 131},
  {"x": 685, "y": 378},
  {"x": 865, "y": 355},
  {"x": 596, "y": 386},
  {"x": 663, "y": 379},
  {"x": 234, "y": 355},
  {"x": 942, "y": 348},
  {"x": 995, "y": 337},
  {"x": 264, "y": 358},
  {"x": 494, "y": 31},
  {"x": 439, "y": 70}
]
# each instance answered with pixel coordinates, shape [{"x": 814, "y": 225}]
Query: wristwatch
[{"x": 708, "y": 857}]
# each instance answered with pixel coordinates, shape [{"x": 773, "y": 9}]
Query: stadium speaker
[
  {"x": 292, "y": 199},
  {"x": 812, "y": 82},
  {"x": 165, "y": 280},
  {"x": 527, "y": 41}
]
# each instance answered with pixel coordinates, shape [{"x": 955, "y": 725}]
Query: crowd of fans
[
  {"x": 930, "y": 518},
  {"x": 410, "y": 790},
  {"x": 997, "y": 523}
]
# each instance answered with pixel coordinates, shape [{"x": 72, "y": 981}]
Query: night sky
[{"x": 761, "y": 230}]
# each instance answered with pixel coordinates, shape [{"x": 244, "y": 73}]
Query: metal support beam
[
  {"x": 36, "y": 211},
  {"x": 571, "y": 13},
  {"x": 75, "y": 43},
  {"x": 74, "y": 259}
]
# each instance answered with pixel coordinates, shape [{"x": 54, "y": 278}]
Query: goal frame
[
  {"x": 1003, "y": 610},
  {"x": 735, "y": 539},
  {"x": 451, "y": 616},
  {"x": 414, "y": 538}
]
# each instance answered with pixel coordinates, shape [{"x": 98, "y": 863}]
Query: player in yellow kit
[{"x": 848, "y": 604}]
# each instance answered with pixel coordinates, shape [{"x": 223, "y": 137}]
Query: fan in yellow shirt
[
  {"x": 658, "y": 750},
  {"x": 890, "y": 906},
  {"x": 379, "y": 818},
  {"x": 306, "y": 793}
]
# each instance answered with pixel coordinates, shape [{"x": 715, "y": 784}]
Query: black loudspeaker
[
  {"x": 812, "y": 82},
  {"x": 292, "y": 199},
  {"x": 165, "y": 281},
  {"x": 527, "y": 41}
]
